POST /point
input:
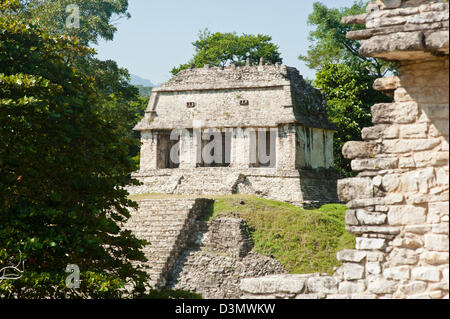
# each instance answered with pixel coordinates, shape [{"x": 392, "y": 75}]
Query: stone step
[{"x": 162, "y": 210}]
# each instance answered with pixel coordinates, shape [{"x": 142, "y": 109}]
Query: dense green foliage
[
  {"x": 344, "y": 76},
  {"x": 62, "y": 172},
  {"x": 118, "y": 99},
  {"x": 221, "y": 49},
  {"x": 350, "y": 96},
  {"x": 329, "y": 44},
  {"x": 96, "y": 19}
]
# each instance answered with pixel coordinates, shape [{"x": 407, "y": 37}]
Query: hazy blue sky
[{"x": 160, "y": 33}]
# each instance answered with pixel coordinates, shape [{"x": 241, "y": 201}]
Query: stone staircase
[{"x": 166, "y": 224}]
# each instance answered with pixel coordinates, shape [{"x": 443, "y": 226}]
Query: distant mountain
[{"x": 137, "y": 80}]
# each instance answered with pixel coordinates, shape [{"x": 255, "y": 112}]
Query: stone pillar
[
  {"x": 240, "y": 148},
  {"x": 148, "y": 158},
  {"x": 399, "y": 202},
  {"x": 188, "y": 152},
  {"x": 286, "y": 148}
]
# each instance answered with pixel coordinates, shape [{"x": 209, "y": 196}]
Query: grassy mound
[{"x": 304, "y": 241}]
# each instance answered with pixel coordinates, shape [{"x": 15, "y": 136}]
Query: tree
[
  {"x": 344, "y": 76},
  {"x": 96, "y": 17},
  {"x": 329, "y": 44},
  {"x": 63, "y": 170},
  {"x": 349, "y": 96},
  {"x": 221, "y": 49},
  {"x": 119, "y": 100}
]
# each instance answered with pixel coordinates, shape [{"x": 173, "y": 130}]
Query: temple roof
[{"x": 276, "y": 94}]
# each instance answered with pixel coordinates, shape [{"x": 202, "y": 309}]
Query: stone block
[
  {"x": 380, "y": 131},
  {"x": 382, "y": 286},
  {"x": 436, "y": 242},
  {"x": 435, "y": 258},
  {"x": 406, "y": 215},
  {"x": 403, "y": 256},
  {"x": 427, "y": 159},
  {"x": 412, "y": 243},
  {"x": 293, "y": 284},
  {"x": 353, "y": 271},
  {"x": 402, "y": 95},
  {"x": 389, "y": 199},
  {"x": 400, "y": 112},
  {"x": 440, "y": 229},
  {"x": 388, "y": 46},
  {"x": 351, "y": 255},
  {"x": 420, "y": 180},
  {"x": 407, "y": 146},
  {"x": 375, "y": 256},
  {"x": 374, "y": 164},
  {"x": 367, "y": 218},
  {"x": 418, "y": 229},
  {"x": 417, "y": 130},
  {"x": 370, "y": 243},
  {"x": 426, "y": 274},
  {"x": 388, "y": 83},
  {"x": 354, "y": 149},
  {"x": 352, "y": 188},
  {"x": 406, "y": 162},
  {"x": 438, "y": 41},
  {"x": 397, "y": 273},
  {"x": 350, "y": 217},
  {"x": 328, "y": 285},
  {"x": 413, "y": 288}
]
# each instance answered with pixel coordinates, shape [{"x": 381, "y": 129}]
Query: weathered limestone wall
[
  {"x": 218, "y": 255},
  {"x": 314, "y": 148},
  {"x": 274, "y": 95},
  {"x": 399, "y": 202},
  {"x": 299, "y": 187}
]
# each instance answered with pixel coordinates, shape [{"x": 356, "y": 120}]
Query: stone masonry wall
[
  {"x": 298, "y": 187},
  {"x": 218, "y": 256},
  {"x": 399, "y": 202}
]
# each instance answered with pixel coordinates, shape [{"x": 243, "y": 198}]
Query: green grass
[{"x": 304, "y": 241}]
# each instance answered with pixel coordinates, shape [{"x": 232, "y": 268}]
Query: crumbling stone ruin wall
[
  {"x": 218, "y": 256},
  {"x": 233, "y": 104},
  {"x": 399, "y": 202}
]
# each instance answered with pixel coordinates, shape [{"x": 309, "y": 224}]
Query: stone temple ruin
[
  {"x": 399, "y": 202},
  {"x": 270, "y": 130}
]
